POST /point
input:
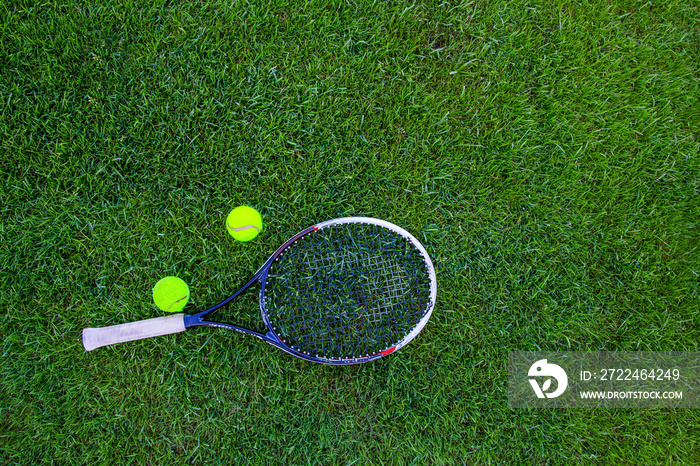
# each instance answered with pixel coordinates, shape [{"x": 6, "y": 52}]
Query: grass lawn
[{"x": 545, "y": 153}]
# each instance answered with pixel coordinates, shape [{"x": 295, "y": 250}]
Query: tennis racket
[{"x": 344, "y": 291}]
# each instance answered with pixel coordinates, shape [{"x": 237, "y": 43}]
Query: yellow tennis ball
[
  {"x": 171, "y": 294},
  {"x": 244, "y": 223}
]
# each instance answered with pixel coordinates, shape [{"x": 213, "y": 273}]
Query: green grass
[{"x": 545, "y": 153}]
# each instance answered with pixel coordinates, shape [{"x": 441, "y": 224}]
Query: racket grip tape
[{"x": 96, "y": 337}]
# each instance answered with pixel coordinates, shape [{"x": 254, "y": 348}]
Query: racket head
[{"x": 347, "y": 291}]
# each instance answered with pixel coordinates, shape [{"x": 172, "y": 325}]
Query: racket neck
[{"x": 194, "y": 321}]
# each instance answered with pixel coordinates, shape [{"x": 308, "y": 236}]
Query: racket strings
[
  {"x": 343, "y": 331},
  {"x": 347, "y": 291},
  {"x": 393, "y": 289}
]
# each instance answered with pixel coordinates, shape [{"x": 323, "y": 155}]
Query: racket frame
[{"x": 260, "y": 276}]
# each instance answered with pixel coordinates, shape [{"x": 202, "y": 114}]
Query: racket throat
[{"x": 198, "y": 321}]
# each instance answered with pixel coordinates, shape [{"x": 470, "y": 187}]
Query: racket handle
[{"x": 96, "y": 337}]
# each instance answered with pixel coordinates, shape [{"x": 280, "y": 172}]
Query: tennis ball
[
  {"x": 171, "y": 294},
  {"x": 244, "y": 223}
]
